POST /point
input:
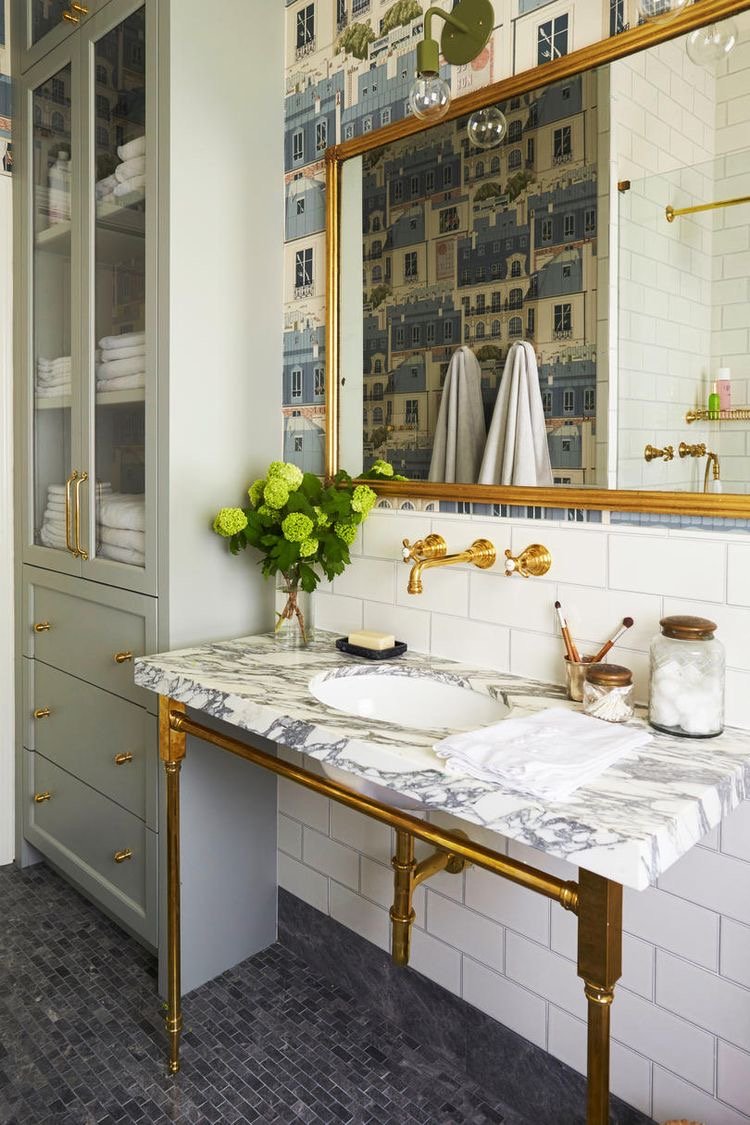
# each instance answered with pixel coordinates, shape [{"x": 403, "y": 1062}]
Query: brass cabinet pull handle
[
  {"x": 68, "y": 541},
  {"x": 41, "y": 797},
  {"x": 42, "y": 713},
  {"x": 77, "y": 516},
  {"x": 121, "y": 759},
  {"x": 123, "y": 657},
  {"x": 80, "y": 8},
  {"x": 71, "y": 17},
  {"x": 42, "y": 627},
  {"x": 120, "y": 857}
]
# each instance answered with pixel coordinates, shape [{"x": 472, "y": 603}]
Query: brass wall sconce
[
  {"x": 467, "y": 29},
  {"x": 650, "y": 453}
]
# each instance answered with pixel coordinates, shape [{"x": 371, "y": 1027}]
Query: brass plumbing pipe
[
  {"x": 712, "y": 461},
  {"x": 408, "y": 874}
]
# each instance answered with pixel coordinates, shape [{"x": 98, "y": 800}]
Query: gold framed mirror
[{"x": 614, "y": 448}]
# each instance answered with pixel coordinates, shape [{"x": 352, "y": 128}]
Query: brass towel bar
[{"x": 674, "y": 212}]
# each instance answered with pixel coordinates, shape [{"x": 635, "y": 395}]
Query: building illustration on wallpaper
[{"x": 350, "y": 64}]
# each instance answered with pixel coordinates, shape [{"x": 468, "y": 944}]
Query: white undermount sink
[{"x": 415, "y": 701}]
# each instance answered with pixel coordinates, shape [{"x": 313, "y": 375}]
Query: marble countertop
[{"x": 629, "y": 825}]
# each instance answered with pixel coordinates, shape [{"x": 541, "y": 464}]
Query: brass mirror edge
[{"x": 605, "y": 51}]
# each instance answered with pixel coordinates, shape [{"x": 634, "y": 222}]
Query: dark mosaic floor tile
[{"x": 82, "y": 1042}]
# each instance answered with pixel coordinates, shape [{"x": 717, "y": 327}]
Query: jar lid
[
  {"x": 685, "y": 628},
  {"x": 609, "y": 675}
]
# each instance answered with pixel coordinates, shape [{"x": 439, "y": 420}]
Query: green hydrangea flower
[
  {"x": 383, "y": 468},
  {"x": 267, "y": 515},
  {"x": 398, "y": 476},
  {"x": 297, "y": 527},
  {"x": 307, "y": 548},
  {"x": 255, "y": 491},
  {"x": 321, "y": 518},
  {"x": 346, "y": 531},
  {"x": 363, "y": 499},
  {"x": 275, "y": 493},
  {"x": 229, "y": 521},
  {"x": 286, "y": 472}
]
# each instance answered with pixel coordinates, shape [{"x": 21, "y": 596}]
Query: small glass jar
[
  {"x": 686, "y": 694},
  {"x": 608, "y": 692}
]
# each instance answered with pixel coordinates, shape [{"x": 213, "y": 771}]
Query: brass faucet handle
[
  {"x": 686, "y": 450},
  {"x": 650, "y": 453},
  {"x": 533, "y": 562},
  {"x": 431, "y": 547}
]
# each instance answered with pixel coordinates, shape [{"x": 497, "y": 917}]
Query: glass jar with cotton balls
[
  {"x": 686, "y": 687},
  {"x": 486, "y": 128}
]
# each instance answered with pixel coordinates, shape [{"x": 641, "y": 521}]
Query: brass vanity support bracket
[
  {"x": 600, "y": 966},
  {"x": 172, "y": 742},
  {"x": 407, "y": 876}
]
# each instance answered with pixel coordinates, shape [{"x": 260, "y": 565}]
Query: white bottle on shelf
[{"x": 58, "y": 180}]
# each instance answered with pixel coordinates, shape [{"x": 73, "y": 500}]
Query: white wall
[
  {"x": 6, "y": 529},
  {"x": 682, "y": 1013}
]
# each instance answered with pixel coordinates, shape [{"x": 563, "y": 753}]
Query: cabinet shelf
[
  {"x": 120, "y": 231},
  {"x": 103, "y": 398},
  {"x": 736, "y": 414}
]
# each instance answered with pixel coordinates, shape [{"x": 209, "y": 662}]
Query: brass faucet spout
[{"x": 431, "y": 552}]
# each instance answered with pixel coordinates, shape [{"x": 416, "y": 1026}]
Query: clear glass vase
[{"x": 295, "y": 626}]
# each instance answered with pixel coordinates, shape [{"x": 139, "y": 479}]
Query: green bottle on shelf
[{"x": 714, "y": 403}]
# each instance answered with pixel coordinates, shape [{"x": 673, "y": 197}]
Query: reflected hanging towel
[
  {"x": 517, "y": 450},
  {"x": 460, "y": 431}
]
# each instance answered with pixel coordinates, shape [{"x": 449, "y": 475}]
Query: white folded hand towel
[
  {"x": 134, "y": 183},
  {"x": 106, "y": 355},
  {"x": 132, "y": 149},
  {"x": 121, "y": 554},
  {"x": 120, "y": 537},
  {"x": 122, "y": 382},
  {"x": 546, "y": 756},
  {"x": 130, "y": 168},
  {"x": 123, "y": 510},
  {"x": 58, "y": 391},
  {"x": 115, "y": 367},
  {"x": 105, "y": 186},
  {"x": 125, "y": 340}
]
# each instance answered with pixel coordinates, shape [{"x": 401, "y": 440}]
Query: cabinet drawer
[
  {"x": 80, "y": 627},
  {"x": 81, "y": 832},
  {"x": 107, "y": 742}
]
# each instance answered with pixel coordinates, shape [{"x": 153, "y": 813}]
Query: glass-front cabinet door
[
  {"x": 53, "y": 342},
  {"x": 48, "y": 23},
  {"x": 119, "y": 345}
]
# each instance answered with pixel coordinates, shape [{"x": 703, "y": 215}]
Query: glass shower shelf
[{"x": 736, "y": 414}]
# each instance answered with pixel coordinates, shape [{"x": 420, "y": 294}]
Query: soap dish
[{"x": 398, "y": 649}]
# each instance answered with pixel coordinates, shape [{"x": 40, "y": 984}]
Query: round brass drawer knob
[
  {"x": 42, "y": 713},
  {"x": 40, "y": 798},
  {"x": 121, "y": 759},
  {"x": 123, "y": 657},
  {"x": 120, "y": 857},
  {"x": 42, "y": 627}
]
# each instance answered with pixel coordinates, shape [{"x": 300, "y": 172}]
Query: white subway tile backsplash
[
  {"x": 673, "y": 923},
  {"x": 675, "y": 1099},
  {"x": 735, "y": 833},
  {"x": 733, "y": 1077},
  {"x": 526, "y": 603},
  {"x": 738, "y": 574},
  {"x": 290, "y": 836},
  {"x": 578, "y": 556},
  {"x": 330, "y": 858},
  {"x": 303, "y": 805},
  {"x": 339, "y": 614},
  {"x": 704, "y": 998},
  {"x": 733, "y": 627},
  {"x": 376, "y": 883},
  {"x": 597, "y": 613},
  {"x": 366, "y": 919},
  {"x": 474, "y": 642},
  {"x": 668, "y": 566},
  {"x": 735, "y": 951},
  {"x": 373, "y": 579},
  {"x": 465, "y": 930},
  {"x": 711, "y": 879},
  {"x": 516, "y": 1007},
  {"x": 361, "y": 832},
  {"x": 436, "y": 960},
  {"x": 409, "y": 625},
  {"x": 537, "y": 656},
  {"x": 545, "y": 973},
  {"x": 664, "y": 1038},
  {"x": 446, "y": 590},
  {"x": 504, "y": 902},
  {"x": 303, "y": 882}
]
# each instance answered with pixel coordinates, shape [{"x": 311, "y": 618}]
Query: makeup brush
[
  {"x": 626, "y": 624},
  {"x": 570, "y": 647}
]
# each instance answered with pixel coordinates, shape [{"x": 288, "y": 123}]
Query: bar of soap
[{"x": 370, "y": 639}]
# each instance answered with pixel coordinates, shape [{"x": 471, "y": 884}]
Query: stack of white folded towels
[
  {"x": 128, "y": 176},
  {"x": 546, "y": 756},
  {"x": 121, "y": 527},
  {"x": 53, "y": 376},
  {"x": 52, "y": 531},
  {"x": 121, "y": 362}
]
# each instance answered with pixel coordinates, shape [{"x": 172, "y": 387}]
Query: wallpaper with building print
[
  {"x": 5, "y": 103},
  {"x": 349, "y": 66}
]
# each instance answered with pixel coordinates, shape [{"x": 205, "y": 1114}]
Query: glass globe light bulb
[
  {"x": 707, "y": 46},
  {"x": 659, "y": 9},
  {"x": 486, "y": 127},
  {"x": 429, "y": 97}
]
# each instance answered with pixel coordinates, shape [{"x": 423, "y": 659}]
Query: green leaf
[
  {"x": 308, "y": 578},
  {"x": 311, "y": 487}
]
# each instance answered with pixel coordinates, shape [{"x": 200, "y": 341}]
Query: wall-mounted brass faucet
[
  {"x": 432, "y": 551},
  {"x": 650, "y": 453},
  {"x": 698, "y": 450},
  {"x": 712, "y": 461}
]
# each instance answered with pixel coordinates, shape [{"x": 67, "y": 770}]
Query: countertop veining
[{"x": 629, "y": 825}]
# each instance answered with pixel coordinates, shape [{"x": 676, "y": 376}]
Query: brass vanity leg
[
  {"x": 171, "y": 752},
  {"x": 402, "y": 911},
  {"x": 600, "y": 965}
]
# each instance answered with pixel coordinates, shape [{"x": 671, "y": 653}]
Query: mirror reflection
[{"x": 530, "y": 314}]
